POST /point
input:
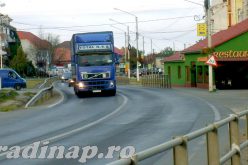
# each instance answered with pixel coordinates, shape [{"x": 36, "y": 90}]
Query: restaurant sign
[{"x": 231, "y": 54}]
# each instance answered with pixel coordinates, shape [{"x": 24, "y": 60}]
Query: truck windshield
[{"x": 95, "y": 60}]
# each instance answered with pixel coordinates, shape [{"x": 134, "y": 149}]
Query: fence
[
  {"x": 153, "y": 80},
  {"x": 180, "y": 150},
  {"x": 156, "y": 80}
]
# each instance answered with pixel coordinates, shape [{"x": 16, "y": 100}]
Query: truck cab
[
  {"x": 93, "y": 63},
  {"x": 11, "y": 79}
]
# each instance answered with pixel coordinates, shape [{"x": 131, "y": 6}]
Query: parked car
[
  {"x": 134, "y": 73},
  {"x": 11, "y": 79}
]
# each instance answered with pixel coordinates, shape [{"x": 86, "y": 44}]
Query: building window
[
  {"x": 206, "y": 74},
  {"x": 169, "y": 71},
  {"x": 187, "y": 73},
  {"x": 179, "y": 72},
  {"x": 199, "y": 74}
]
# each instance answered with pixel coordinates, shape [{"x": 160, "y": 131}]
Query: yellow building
[{"x": 226, "y": 13}]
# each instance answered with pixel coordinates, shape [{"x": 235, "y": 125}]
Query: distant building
[
  {"x": 62, "y": 54},
  {"x": 226, "y": 13},
  {"x": 9, "y": 39},
  {"x": 37, "y": 50}
]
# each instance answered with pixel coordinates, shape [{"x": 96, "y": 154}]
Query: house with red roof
[
  {"x": 188, "y": 68},
  {"x": 62, "y": 54},
  {"x": 37, "y": 50}
]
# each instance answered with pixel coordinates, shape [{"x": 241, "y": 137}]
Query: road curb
[{"x": 60, "y": 101}]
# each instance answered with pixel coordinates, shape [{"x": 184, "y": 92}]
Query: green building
[{"x": 188, "y": 68}]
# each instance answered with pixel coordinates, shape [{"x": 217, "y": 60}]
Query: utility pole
[
  {"x": 137, "y": 47},
  {"x": 128, "y": 53},
  {"x": 126, "y": 46},
  {"x": 143, "y": 51},
  {"x": 1, "y": 51},
  {"x": 210, "y": 68},
  {"x": 137, "y": 40}
]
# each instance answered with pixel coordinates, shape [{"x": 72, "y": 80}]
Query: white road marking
[
  {"x": 217, "y": 115},
  {"x": 62, "y": 135},
  {"x": 215, "y": 110}
]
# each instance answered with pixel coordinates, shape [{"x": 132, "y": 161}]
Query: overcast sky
[{"x": 166, "y": 22}]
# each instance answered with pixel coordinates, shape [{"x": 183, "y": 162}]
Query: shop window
[
  {"x": 199, "y": 74},
  {"x": 179, "y": 71}
]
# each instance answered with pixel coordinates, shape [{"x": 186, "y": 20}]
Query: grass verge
[
  {"x": 7, "y": 94},
  {"x": 8, "y": 108},
  {"x": 33, "y": 83}
]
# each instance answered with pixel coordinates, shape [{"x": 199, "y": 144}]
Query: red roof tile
[
  {"x": 65, "y": 44},
  {"x": 62, "y": 55},
  {"x": 39, "y": 43},
  {"x": 175, "y": 57},
  {"x": 119, "y": 51},
  {"x": 222, "y": 36}
]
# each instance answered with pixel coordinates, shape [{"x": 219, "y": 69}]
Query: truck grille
[
  {"x": 94, "y": 85},
  {"x": 95, "y": 75}
]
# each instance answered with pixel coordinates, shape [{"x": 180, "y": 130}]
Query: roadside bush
[{"x": 7, "y": 94}]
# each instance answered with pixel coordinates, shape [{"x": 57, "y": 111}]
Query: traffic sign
[
  {"x": 201, "y": 29},
  {"x": 211, "y": 61}
]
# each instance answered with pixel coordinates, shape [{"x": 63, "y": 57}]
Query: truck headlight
[
  {"x": 111, "y": 84},
  {"x": 81, "y": 85}
]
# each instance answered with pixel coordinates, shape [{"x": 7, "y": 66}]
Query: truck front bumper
[{"x": 96, "y": 86}]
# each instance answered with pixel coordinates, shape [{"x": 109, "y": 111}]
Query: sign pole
[{"x": 210, "y": 68}]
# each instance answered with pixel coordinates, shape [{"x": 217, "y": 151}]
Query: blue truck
[{"x": 93, "y": 63}]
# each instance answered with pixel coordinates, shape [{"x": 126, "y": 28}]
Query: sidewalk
[{"x": 235, "y": 100}]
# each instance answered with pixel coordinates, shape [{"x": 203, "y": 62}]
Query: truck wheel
[
  {"x": 78, "y": 93},
  {"x": 112, "y": 92},
  {"x": 18, "y": 87}
]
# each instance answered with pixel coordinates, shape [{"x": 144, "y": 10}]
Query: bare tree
[{"x": 54, "y": 41}]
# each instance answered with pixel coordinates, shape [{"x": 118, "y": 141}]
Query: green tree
[
  {"x": 20, "y": 62},
  {"x": 166, "y": 52},
  {"x": 133, "y": 57}
]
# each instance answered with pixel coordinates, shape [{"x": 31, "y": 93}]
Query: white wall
[
  {"x": 219, "y": 16},
  {"x": 30, "y": 50}
]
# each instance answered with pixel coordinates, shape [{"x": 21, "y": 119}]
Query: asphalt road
[{"x": 136, "y": 116}]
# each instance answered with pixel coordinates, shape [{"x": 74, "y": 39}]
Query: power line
[
  {"x": 153, "y": 32},
  {"x": 65, "y": 27}
]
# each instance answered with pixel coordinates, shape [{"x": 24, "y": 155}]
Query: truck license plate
[{"x": 96, "y": 91}]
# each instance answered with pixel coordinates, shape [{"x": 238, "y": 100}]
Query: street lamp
[
  {"x": 137, "y": 40},
  {"x": 126, "y": 46}
]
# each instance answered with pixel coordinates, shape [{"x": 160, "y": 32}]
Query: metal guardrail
[
  {"x": 180, "y": 150},
  {"x": 43, "y": 93},
  {"x": 44, "y": 83},
  {"x": 152, "y": 80}
]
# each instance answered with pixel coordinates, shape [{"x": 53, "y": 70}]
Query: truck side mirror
[{"x": 117, "y": 59}]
